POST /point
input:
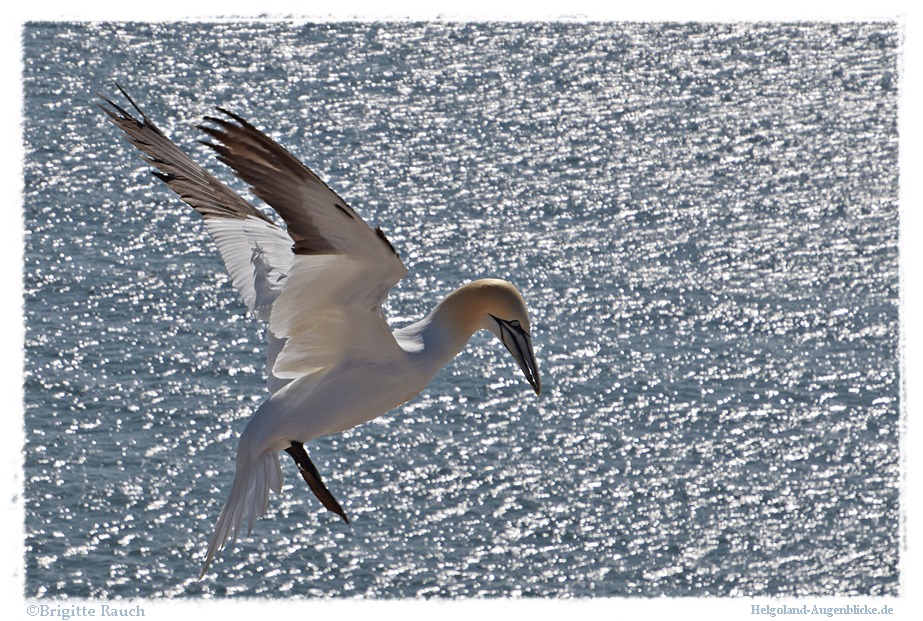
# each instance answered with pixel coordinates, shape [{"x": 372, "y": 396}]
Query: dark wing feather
[
  {"x": 196, "y": 186},
  {"x": 318, "y": 219}
]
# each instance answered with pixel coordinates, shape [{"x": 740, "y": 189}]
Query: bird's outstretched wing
[
  {"x": 320, "y": 283},
  {"x": 330, "y": 307},
  {"x": 255, "y": 250}
]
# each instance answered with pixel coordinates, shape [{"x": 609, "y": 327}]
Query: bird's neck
[{"x": 441, "y": 335}]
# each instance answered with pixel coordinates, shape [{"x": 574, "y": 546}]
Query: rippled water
[{"x": 703, "y": 219}]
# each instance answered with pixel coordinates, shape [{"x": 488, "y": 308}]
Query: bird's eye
[{"x": 515, "y": 323}]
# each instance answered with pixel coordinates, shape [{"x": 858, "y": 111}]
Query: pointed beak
[{"x": 519, "y": 343}]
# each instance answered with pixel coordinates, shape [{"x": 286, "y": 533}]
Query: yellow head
[{"x": 496, "y": 305}]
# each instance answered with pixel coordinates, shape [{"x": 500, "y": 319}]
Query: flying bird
[{"x": 319, "y": 282}]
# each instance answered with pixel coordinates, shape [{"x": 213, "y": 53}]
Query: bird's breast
[{"x": 342, "y": 399}]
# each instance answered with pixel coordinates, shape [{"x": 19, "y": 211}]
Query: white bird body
[
  {"x": 373, "y": 379},
  {"x": 312, "y": 406},
  {"x": 333, "y": 361}
]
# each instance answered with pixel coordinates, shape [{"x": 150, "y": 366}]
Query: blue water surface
[{"x": 703, "y": 219}]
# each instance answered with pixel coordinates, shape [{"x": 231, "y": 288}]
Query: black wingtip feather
[
  {"x": 217, "y": 121},
  {"x": 211, "y": 131},
  {"x": 130, "y": 100},
  {"x": 122, "y": 116},
  {"x": 236, "y": 117}
]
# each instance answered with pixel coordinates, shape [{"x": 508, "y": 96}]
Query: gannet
[{"x": 333, "y": 361}]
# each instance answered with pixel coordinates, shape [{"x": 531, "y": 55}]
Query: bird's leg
[{"x": 312, "y": 478}]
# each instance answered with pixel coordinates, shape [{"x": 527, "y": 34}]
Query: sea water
[{"x": 703, "y": 219}]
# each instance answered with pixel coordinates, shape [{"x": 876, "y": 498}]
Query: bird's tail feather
[{"x": 247, "y": 501}]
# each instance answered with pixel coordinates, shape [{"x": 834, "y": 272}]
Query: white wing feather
[{"x": 258, "y": 256}]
